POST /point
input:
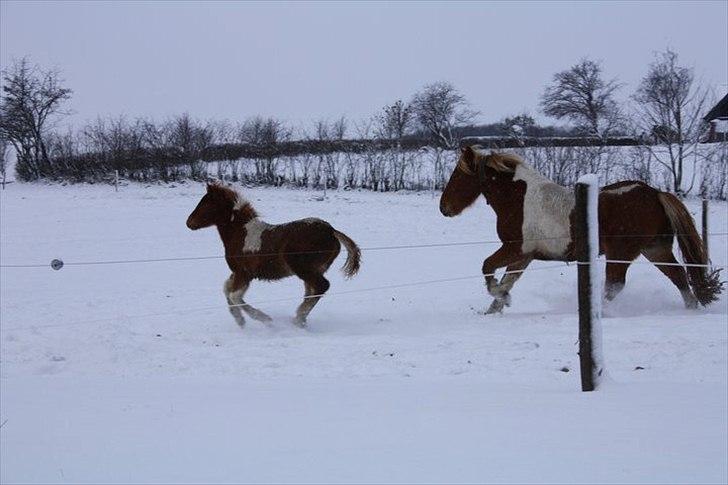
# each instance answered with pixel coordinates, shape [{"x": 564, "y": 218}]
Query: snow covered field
[{"x": 137, "y": 372}]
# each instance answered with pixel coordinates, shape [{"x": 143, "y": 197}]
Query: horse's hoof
[
  {"x": 495, "y": 307},
  {"x": 299, "y": 322}
]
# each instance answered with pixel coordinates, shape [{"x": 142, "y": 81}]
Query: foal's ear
[
  {"x": 212, "y": 183},
  {"x": 468, "y": 153}
]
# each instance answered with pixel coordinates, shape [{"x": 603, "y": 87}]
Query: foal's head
[
  {"x": 220, "y": 205},
  {"x": 472, "y": 175}
]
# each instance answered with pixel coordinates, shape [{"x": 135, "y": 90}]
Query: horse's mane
[{"x": 499, "y": 161}]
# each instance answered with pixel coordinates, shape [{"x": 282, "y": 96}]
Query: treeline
[
  {"x": 180, "y": 148},
  {"x": 381, "y": 152}
]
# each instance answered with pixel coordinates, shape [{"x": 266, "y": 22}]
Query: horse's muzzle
[
  {"x": 445, "y": 210},
  {"x": 191, "y": 224}
]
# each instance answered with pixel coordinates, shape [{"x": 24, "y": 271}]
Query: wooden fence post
[
  {"x": 586, "y": 235},
  {"x": 116, "y": 180},
  {"x": 705, "y": 229}
]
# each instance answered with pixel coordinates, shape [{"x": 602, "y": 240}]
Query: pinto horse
[
  {"x": 257, "y": 250},
  {"x": 535, "y": 220}
]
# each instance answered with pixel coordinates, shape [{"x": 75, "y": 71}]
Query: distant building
[{"x": 717, "y": 118}]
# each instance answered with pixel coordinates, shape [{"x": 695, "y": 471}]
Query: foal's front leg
[
  {"x": 235, "y": 288},
  {"x": 233, "y": 291},
  {"x": 506, "y": 255}
]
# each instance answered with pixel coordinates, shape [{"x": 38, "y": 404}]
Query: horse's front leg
[
  {"x": 502, "y": 293},
  {"x": 506, "y": 255}
]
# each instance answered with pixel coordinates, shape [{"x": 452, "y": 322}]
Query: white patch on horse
[
  {"x": 254, "y": 230},
  {"x": 546, "y": 210},
  {"x": 620, "y": 190}
]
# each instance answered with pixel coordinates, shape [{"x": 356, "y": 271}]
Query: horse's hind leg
[
  {"x": 502, "y": 289},
  {"x": 678, "y": 276},
  {"x": 616, "y": 276},
  {"x": 316, "y": 286}
]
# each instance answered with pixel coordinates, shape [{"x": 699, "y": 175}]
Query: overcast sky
[{"x": 303, "y": 61}]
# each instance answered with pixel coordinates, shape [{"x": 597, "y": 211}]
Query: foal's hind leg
[
  {"x": 316, "y": 286},
  {"x": 677, "y": 274},
  {"x": 502, "y": 289}
]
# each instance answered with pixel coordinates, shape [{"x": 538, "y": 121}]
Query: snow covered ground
[{"x": 137, "y": 373}]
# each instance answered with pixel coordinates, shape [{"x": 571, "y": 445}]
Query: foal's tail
[
  {"x": 353, "y": 254},
  {"x": 705, "y": 284}
]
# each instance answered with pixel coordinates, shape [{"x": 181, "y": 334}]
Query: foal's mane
[{"x": 233, "y": 197}]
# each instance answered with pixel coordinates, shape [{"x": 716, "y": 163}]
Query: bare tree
[
  {"x": 395, "y": 121},
  {"x": 581, "y": 95},
  {"x": 519, "y": 126},
  {"x": 439, "y": 108},
  {"x": 670, "y": 106},
  {"x": 329, "y": 134},
  {"x": 265, "y": 134},
  {"x": 31, "y": 99},
  {"x": 4, "y": 146},
  {"x": 190, "y": 137}
]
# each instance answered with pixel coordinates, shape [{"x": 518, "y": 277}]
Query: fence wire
[
  {"x": 278, "y": 300},
  {"x": 363, "y": 249}
]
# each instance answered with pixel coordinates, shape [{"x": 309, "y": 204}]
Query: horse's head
[
  {"x": 476, "y": 173},
  {"x": 215, "y": 207},
  {"x": 464, "y": 185}
]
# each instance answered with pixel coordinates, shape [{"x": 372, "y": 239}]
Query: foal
[{"x": 257, "y": 250}]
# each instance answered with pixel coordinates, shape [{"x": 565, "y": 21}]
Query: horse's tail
[
  {"x": 705, "y": 284},
  {"x": 353, "y": 254}
]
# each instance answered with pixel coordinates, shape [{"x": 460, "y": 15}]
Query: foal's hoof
[
  {"x": 260, "y": 316},
  {"x": 299, "y": 321}
]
